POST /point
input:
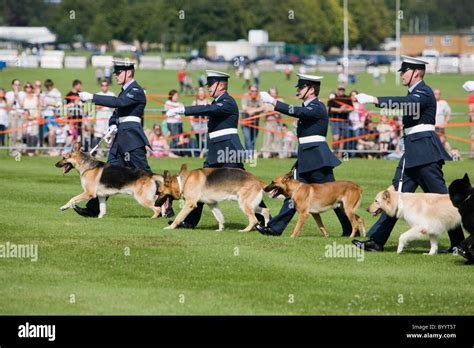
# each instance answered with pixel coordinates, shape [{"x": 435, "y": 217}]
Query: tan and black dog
[
  {"x": 318, "y": 198},
  {"x": 101, "y": 180},
  {"x": 211, "y": 186}
]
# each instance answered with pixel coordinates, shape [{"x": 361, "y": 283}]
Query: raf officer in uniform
[
  {"x": 125, "y": 126},
  {"x": 423, "y": 160},
  {"x": 315, "y": 160},
  {"x": 225, "y": 148}
]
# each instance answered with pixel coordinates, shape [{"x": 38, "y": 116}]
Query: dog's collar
[
  {"x": 180, "y": 184},
  {"x": 399, "y": 204}
]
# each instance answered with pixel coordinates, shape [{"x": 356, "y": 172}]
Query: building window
[
  {"x": 429, "y": 40},
  {"x": 446, "y": 40},
  {"x": 470, "y": 40}
]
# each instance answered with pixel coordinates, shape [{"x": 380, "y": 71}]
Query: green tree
[{"x": 374, "y": 22}]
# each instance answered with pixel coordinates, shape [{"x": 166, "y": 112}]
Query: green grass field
[
  {"x": 127, "y": 264},
  {"x": 212, "y": 272}
]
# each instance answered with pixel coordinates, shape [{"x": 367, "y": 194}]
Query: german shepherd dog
[
  {"x": 427, "y": 214},
  {"x": 461, "y": 194},
  {"x": 101, "y": 180},
  {"x": 211, "y": 186},
  {"x": 317, "y": 198}
]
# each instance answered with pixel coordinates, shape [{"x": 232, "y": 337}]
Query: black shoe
[
  {"x": 367, "y": 245},
  {"x": 84, "y": 212},
  {"x": 266, "y": 230},
  {"x": 453, "y": 250},
  {"x": 261, "y": 219},
  {"x": 183, "y": 224}
]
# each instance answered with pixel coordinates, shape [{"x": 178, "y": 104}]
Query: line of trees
[{"x": 193, "y": 22}]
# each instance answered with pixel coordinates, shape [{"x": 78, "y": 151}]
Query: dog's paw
[
  {"x": 168, "y": 227},
  {"x": 64, "y": 207}
]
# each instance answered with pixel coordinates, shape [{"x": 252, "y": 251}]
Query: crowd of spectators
[{"x": 38, "y": 115}]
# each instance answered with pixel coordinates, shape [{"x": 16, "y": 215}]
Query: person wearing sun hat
[
  {"x": 423, "y": 160},
  {"x": 315, "y": 159}
]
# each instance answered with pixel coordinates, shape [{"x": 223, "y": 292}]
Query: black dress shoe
[
  {"x": 458, "y": 250},
  {"x": 183, "y": 224},
  {"x": 367, "y": 245},
  {"x": 260, "y": 218},
  {"x": 84, "y": 212},
  {"x": 266, "y": 230},
  {"x": 452, "y": 250}
]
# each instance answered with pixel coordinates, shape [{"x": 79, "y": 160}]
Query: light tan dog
[
  {"x": 317, "y": 198},
  {"x": 101, "y": 180},
  {"x": 428, "y": 214},
  {"x": 211, "y": 186}
]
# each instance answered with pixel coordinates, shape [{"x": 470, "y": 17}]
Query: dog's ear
[
  {"x": 466, "y": 179},
  {"x": 288, "y": 176},
  {"x": 166, "y": 176},
  {"x": 77, "y": 146},
  {"x": 386, "y": 195},
  {"x": 184, "y": 169}
]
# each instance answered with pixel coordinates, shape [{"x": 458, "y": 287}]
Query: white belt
[
  {"x": 130, "y": 119},
  {"x": 312, "y": 139},
  {"x": 419, "y": 128},
  {"x": 222, "y": 132}
]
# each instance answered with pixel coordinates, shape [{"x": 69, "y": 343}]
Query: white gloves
[
  {"x": 468, "y": 86},
  {"x": 112, "y": 129},
  {"x": 175, "y": 111},
  {"x": 85, "y": 96},
  {"x": 365, "y": 98},
  {"x": 266, "y": 98},
  {"x": 110, "y": 133}
]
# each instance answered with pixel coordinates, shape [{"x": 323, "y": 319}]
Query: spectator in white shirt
[
  {"x": 199, "y": 123},
  {"x": 174, "y": 124},
  {"x": 102, "y": 114},
  {"x": 443, "y": 112},
  {"x": 15, "y": 99},
  {"x": 247, "y": 76},
  {"x": 51, "y": 109},
  {"x": 3, "y": 116}
]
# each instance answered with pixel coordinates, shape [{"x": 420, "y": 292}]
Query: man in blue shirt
[
  {"x": 225, "y": 148},
  {"x": 315, "y": 160},
  {"x": 125, "y": 126},
  {"x": 423, "y": 160}
]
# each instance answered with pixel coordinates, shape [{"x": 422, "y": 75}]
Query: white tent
[{"x": 30, "y": 35}]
